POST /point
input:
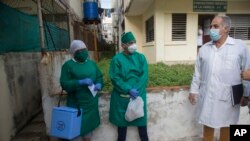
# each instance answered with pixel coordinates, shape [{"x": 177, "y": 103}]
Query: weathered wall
[
  {"x": 170, "y": 116},
  {"x": 6, "y": 113},
  {"x": 20, "y": 91},
  {"x": 50, "y": 71}
]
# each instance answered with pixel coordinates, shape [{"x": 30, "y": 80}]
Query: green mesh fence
[
  {"x": 55, "y": 38},
  {"x": 19, "y": 32}
]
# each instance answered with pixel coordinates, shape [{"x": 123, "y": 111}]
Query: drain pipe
[
  {"x": 41, "y": 30},
  {"x": 45, "y": 56}
]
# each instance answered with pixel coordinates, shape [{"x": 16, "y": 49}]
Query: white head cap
[{"x": 76, "y": 45}]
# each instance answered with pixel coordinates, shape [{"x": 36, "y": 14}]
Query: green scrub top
[
  {"x": 73, "y": 71},
  {"x": 127, "y": 72}
]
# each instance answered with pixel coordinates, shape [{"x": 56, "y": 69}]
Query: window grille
[
  {"x": 150, "y": 29},
  {"x": 240, "y": 27},
  {"x": 179, "y": 22}
]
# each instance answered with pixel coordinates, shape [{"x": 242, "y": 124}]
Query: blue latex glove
[
  {"x": 133, "y": 93},
  {"x": 98, "y": 87},
  {"x": 86, "y": 81}
]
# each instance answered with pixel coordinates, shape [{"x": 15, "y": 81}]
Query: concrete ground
[{"x": 36, "y": 131}]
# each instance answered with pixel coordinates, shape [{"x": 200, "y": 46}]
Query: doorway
[{"x": 204, "y": 21}]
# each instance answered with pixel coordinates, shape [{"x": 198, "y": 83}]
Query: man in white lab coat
[{"x": 218, "y": 67}]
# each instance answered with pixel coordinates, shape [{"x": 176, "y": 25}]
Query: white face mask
[{"x": 132, "y": 48}]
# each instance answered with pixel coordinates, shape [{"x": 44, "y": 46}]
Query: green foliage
[
  {"x": 159, "y": 74},
  {"x": 104, "y": 67},
  {"x": 174, "y": 75}
]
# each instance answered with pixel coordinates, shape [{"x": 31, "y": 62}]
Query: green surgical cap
[{"x": 127, "y": 37}]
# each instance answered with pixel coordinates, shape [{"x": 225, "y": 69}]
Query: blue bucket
[{"x": 90, "y": 10}]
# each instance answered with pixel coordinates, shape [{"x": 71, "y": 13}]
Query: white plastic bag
[{"x": 134, "y": 109}]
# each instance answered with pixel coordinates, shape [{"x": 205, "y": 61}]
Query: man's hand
[
  {"x": 245, "y": 74},
  {"x": 244, "y": 101},
  {"x": 192, "y": 98}
]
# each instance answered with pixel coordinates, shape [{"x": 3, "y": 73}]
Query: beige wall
[
  {"x": 238, "y": 6},
  {"x": 181, "y": 50},
  {"x": 133, "y": 24},
  {"x": 6, "y": 120},
  {"x": 148, "y": 49},
  {"x": 163, "y": 49},
  {"x": 126, "y": 3},
  {"x": 19, "y": 90},
  {"x": 76, "y": 5}
]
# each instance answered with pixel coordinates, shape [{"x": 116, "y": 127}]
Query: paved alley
[{"x": 34, "y": 131}]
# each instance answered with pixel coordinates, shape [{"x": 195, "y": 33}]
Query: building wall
[
  {"x": 50, "y": 72},
  {"x": 163, "y": 49},
  {"x": 6, "y": 116},
  {"x": 181, "y": 51},
  {"x": 238, "y": 6},
  {"x": 76, "y": 5},
  {"x": 159, "y": 32},
  {"x": 134, "y": 25},
  {"x": 170, "y": 118},
  {"x": 20, "y": 91}
]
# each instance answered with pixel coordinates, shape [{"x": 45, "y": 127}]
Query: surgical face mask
[
  {"x": 214, "y": 34},
  {"x": 81, "y": 56},
  {"x": 132, "y": 48}
]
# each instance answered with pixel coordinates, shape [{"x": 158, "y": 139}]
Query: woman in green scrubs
[
  {"x": 129, "y": 76},
  {"x": 76, "y": 75}
]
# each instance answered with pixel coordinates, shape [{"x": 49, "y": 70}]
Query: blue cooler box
[{"x": 65, "y": 123}]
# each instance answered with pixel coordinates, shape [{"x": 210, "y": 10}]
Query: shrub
[
  {"x": 159, "y": 74},
  {"x": 165, "y": 75}
]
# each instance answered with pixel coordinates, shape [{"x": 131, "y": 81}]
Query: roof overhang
[{"x": 137, "y": 7}]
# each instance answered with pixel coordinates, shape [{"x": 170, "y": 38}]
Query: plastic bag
[{"x": 134, "y": 109}]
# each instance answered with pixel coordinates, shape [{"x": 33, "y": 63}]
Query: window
[
  {"x": 240, "y": 28},
  {"x": 179, "y": 22},
  {"x": 150, "y": 29},
  {"x": 104, "y": 27}
]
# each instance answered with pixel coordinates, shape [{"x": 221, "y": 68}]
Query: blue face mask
[{"x": 214, "y": 34}]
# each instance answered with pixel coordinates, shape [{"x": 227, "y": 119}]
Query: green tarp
[{"x": 19, "y": 32}]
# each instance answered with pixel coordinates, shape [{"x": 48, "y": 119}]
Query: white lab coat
[{"x": 216, "y": 70}]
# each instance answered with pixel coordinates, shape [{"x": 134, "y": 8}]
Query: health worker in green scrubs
[
  {"x": 129, "y": 76},
  {"x": 76, "y": 75}
]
